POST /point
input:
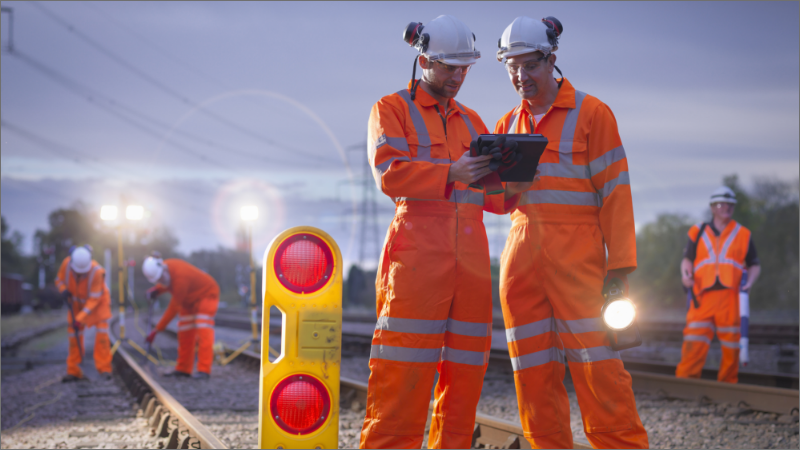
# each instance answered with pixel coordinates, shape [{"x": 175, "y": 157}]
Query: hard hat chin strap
[
  {"x": 414, "y": 81},
  {"x": 562, "y": 76}
]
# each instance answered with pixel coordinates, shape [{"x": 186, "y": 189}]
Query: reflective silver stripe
[
  {"x": 512, "y": 127},
  {"x": 418, "y": 326},
  {"x": 101, "y": 330},
  {"x": 622, "y": 178},
  {"x": 416, "y": 118},
  {"x": 568, "y": 131},
  {"x": 560, "y": 198},
  {"x": 602, "y": 162},
  {"x": 476, "y": 329},
  {"x": 724, "y": 252},
  {"x": 564, "y": 170},
  {"x": 580, "y": 325},
  {"x": 537, "y": 358},
  {"x": 712, "y": 258},
  {"x": 700, "y": 325},
  {"x": 694, "y": 337},
  {"x": 95, "y": 294},
  {"x": 86, "y": 310},
  {"x": 591, "y": 354},
  {"x": 467, "y": 196},
  {"x": 729, "y": 344},
  {"x": 405, "y": 354},
  {"x": 205, "y": 325},
  {"x": 189, "y": 326},
  {"x": 465, "y": 356},
  {"x": 529, "y": 330},
  {"x": 458, "y": 196},
  {"x": 729, "y": 329},
  {"x": 399, "y": 143},
  {"x": 464, "y": 116},
  {"x": 384, "y": 166},
  {"x": 204, "y": 317}
]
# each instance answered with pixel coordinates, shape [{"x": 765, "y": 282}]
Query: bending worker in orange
[
  {"x": 554, "y": 263},
  {"x": 715, "y": 257},
  {"x": 81, "y": 281},
  {"x": 195, "y": 297},
  {"x": 434, "y": 299}
]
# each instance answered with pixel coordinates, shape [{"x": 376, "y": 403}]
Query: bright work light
[
  {"x": 134, "y": 212},
  {"x": 619, "y": 313},
  {"x": 249, "y": 213},
  {"x": 108, "y": 212}
]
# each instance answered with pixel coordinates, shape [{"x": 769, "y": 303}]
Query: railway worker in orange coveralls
[
  {"x": 554, "y": 263},
  {"x": 434, "y": 299},
  {"x": 81, "y": 281},
  {"x": 712, "y": 266},
  {"x": 195, "y": 297}
]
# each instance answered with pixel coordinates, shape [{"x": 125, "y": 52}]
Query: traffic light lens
[
  {"x": 304, "y": 263},
  {"x": 300, "y": 404}
]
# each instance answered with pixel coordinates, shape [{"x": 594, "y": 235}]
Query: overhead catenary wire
[
  {"x": 105, "y": 102},
  {"x": 161, "y": 86}
]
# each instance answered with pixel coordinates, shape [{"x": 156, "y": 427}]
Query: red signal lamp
[
  {"x": 300, "y": 404},
  {"x": 304, "y": 263}
]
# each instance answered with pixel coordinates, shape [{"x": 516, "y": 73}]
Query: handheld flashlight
[{"x": 619, "y": 316}]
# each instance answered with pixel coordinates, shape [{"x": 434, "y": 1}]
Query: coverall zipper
[{"x": 450, "y": 157}]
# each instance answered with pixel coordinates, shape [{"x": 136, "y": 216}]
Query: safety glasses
[
  {"x": 451, "y": 69},
  {"x": 528, "y": 66}
]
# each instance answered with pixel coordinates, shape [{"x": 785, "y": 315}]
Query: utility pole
[{"x": 10, "y": 11}]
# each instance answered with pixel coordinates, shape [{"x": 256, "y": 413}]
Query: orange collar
[
  {"x": 426, "y": 100},
  {"x": 564, "y": 99}
]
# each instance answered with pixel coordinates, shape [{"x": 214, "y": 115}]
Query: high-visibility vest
[
  {"x": 719, "y": 257},
  {"x": 92, "y": 299}
]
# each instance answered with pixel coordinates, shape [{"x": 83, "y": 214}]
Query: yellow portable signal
[{"x": 299, "y": 391}]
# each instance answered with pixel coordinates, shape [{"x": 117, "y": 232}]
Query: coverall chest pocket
[{"x": 432, "y": 148}]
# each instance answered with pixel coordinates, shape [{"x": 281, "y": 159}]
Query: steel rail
[{"x": 160, "y": 406}]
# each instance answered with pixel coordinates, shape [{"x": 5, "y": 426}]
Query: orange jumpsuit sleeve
[
  {"x": 179, "y": 291},
  {"x": 61, "y": 278},
  {"x": 397, "y": 172},
  {"x": 96, "y": 291},
  {"x": 608, "y": 166}
]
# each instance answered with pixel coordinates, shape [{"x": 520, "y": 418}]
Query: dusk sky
[{"x": 193, "y": 109}]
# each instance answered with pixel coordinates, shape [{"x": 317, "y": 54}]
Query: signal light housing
[{"x": 300, "y": 404}]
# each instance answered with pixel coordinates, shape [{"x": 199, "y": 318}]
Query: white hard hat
[
  {"x": 80, "y": 260},
  {"x": 152, "y": 268},
  {"x": 723, "y": 194},
  {"x": 526, "y": 35},
  {"x": 444, "y": 39}
]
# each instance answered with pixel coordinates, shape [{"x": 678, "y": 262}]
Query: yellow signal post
[{"x": 299, "y": 391}]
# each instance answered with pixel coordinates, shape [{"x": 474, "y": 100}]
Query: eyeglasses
[
  {"x": 451, "y": 69},
  {"x": 528, "y": 66},
  {"x": 721, "y": 204}
]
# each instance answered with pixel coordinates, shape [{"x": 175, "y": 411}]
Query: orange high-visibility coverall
[
  {"x": 718, "y": 270},
  {"x": 434, "y": 299},
  {"x": 195, "y": 298},
  {"x": 91, "y": 307},
  {"x": 552, "y": 272}
]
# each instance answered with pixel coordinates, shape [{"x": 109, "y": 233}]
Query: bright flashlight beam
[
  {"x": 108, "y": 212},
  {"x": 249, "y": 213},
  {"x": 619, "y": 314},
  {"x": 134, "y": 212}
]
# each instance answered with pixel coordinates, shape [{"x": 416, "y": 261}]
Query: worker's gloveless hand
[
  {"x": 469, "y": 169},
  {"x": 616, "y": 278},
  {"x": 151, "y": 336},
  {"x": 687, "y": 277}
]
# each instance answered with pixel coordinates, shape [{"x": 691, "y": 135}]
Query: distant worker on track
[
  {"x": 434, "y": 297},
  {"x": 555, "y": 271},
  {"x": 195, "y": 298},
  {"x": 81, "y": 281},
  {"x": 713, "y": 263}
]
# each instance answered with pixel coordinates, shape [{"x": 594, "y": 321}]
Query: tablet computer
[{"x": 531, "y": 146}]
